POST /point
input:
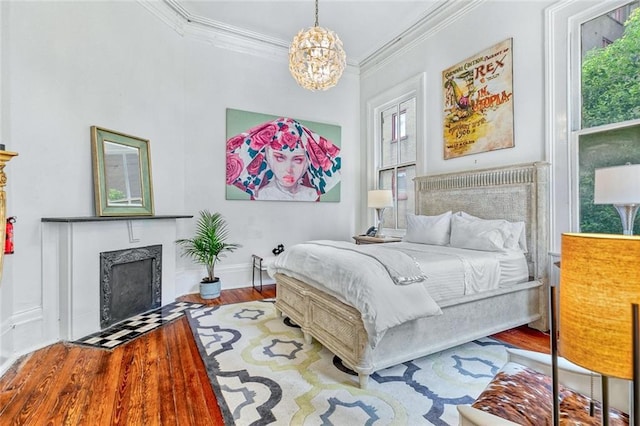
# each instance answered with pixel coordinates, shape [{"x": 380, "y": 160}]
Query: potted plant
[{"x": 207, "y": 247}]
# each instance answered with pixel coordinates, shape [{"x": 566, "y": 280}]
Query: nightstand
[{"x": 363, "y": 239}]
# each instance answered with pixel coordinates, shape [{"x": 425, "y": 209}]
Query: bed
[{"x": 516, "y": 193}]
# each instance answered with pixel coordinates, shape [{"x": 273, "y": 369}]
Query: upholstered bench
[{"x": 521, "y": 394}]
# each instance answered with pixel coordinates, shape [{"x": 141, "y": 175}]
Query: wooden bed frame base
[
  {"x": 339, "y": 328},
  {"x": 515, "y": 193}
]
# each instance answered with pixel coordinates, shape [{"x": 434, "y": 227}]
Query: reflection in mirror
[{"x": 122, "y": 174}]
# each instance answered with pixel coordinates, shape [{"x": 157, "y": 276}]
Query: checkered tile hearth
[{"x": 136, "y": 326}]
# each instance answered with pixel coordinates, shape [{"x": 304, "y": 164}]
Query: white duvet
[
  {"x": 364, "y": 283},
  {"x": 359, "y": 281}
]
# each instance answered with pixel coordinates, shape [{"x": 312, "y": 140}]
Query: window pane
[
  {"x": 389, "y": 150},
  {"x": 386, "y": 180},
  {"x": 604, "y": 149},
  {"x": 610, "y": 71},
  {"x": 397, "y": 163},
  {"x": 408, "y": 131},
  {"x": 406, "y": 197}
]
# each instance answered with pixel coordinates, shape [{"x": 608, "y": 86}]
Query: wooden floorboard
[
  {"x": 68, "y": 408},
  {"x": 525, "y": 337},
  {"x": 104, "y": 390},
  {"x": 157, "y": 379},
  {"x": 166, "y": 396}
]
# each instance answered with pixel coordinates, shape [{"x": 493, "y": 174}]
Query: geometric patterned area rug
[
  {"x": 134, "y": 327},
  {"x": 263, "y": 372}
]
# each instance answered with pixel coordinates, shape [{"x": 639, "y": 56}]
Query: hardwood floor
[
  {"x": 157, "y": 379},
  {"x": 525, "y": 337}
]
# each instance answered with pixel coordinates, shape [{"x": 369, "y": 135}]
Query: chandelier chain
[{"x": 316, "y": 24}]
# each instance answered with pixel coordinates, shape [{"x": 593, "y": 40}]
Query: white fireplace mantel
[{"x": 71, "y": 262}]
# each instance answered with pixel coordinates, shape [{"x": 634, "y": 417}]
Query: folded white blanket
[
  {"x": 359, "y": 280},
  {"x": 402, "y": 268}
]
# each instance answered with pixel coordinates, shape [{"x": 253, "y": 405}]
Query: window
[
  {"x": 607, "y": 132},
  {"x": 604, "y": 148},
  {"x": 402, "y": 124},
  {"x": 397, "y": 165},
  {"x": 396, "y": 132},
  {"x": 619, "y": 15}
]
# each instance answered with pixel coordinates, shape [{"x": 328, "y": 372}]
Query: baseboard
[
  {"x": 232, "y": 276},
  {"x": 6, "y": 363},
  {"x": 23, "y": 333}
]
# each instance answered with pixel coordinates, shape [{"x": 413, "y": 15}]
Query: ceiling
[{"x": 364, "y": 26}]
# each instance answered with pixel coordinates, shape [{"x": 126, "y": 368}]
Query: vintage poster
[{"x": 478, "y": 102}]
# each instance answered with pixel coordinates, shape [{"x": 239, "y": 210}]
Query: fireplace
[
  {"x": 71, "y": 248},
  {"x": 130, "y": 283}
]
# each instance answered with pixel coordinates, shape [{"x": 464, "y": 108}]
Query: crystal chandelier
[{"x": 316, "y": 57}]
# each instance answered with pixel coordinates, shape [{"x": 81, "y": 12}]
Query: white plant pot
[{"x": 210, "y": 290}]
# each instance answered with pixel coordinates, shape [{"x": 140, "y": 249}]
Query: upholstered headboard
[{"x": 514, "y": 193}]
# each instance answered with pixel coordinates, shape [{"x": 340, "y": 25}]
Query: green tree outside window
[{"x": 610, "y": 94}]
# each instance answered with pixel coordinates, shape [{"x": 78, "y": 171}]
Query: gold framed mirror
[{"x": 121, "y": 174}]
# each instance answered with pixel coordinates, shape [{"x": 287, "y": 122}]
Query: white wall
[
  {"x": 69, "y": 65},
  {"x": 483, "y": 26},
  {"x": 216, "y": 79}
]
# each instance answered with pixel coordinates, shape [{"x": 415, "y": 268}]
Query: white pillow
[
  {"x": 428, "y": 229},
  {"x": 476, "y": 234},
  {"x": 515, "y": 234},
  {"x": 519, "y": 236}
]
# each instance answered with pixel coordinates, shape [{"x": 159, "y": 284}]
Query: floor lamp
[{"x": 599, "y": 284}]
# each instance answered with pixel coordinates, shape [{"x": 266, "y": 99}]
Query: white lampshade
[
  {"x": 617, "y": 185},
  {"x": 380, "y": 198}
]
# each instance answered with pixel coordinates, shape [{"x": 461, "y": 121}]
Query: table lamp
[
  {"x": 620, "y": 186},
  {"x": 599, "y": 284},
  {"x": 380, "y": 199}
]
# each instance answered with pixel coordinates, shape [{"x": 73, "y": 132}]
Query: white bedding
[
  {"x": 481, "y": 270},
  {"x": 364, "y": 283}
]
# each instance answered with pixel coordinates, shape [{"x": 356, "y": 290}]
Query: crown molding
[
  {"x": 216, "y": 33},
  {"x": 438, "y": 18},
  {"x": 219, "y": 34},
  {"x": 166, "y": 14},
  {"x": 225, "y": 36}
]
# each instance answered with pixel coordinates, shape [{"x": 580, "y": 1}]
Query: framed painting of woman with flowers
[{"x": 281, "y": 159}]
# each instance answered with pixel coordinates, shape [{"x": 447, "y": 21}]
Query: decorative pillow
[
  {"x": 476, "y": 235},
  {"x": 514, "y": 232},
  {"x": 428, "y": 229}
]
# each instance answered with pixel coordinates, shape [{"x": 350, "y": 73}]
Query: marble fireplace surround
[{"x": 71, "y": 262}]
